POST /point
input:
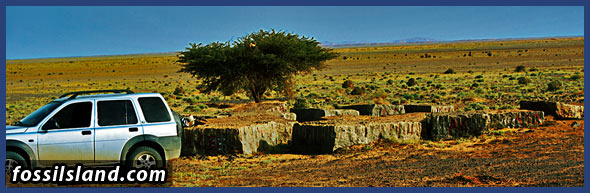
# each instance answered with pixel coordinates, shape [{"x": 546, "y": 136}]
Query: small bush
[
  {"x": 450, "y": 71},
  {"x": 477, "y": 106},
  {"x": 390, "y": 82},
  {"x": 575, "y": 77},
  {"x": 520, "y": 69},
  {"x": 411, "y": 82},
  {"x": 523, "y": 80},
  {"x": 357, "y": 91},
  {"x": 301, "y": 103},
  {"x": 554, "y": 85},
  {"x": 348, "y": 84},
  {"x": 190, "y": 100},
  {"x": 178, "y": 91}
]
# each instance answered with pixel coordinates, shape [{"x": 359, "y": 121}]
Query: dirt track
[{"x": 552, "y": 155}]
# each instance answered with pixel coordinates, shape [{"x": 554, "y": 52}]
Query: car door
[
  {"x": 67, "y": 136},
  {"x": 116, "y": 123}
]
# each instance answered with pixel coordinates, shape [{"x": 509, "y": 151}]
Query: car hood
[{"x": 15, "y": 129}]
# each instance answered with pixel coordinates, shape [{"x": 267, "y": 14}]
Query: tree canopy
[{"x": 253, "y": 63}]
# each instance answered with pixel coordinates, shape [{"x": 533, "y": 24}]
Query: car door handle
[
  {"x": 133, "y": 129},
  {"x": 86, "y": 132}
]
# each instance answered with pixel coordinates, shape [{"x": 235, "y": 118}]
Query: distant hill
[
  {"x": 420, "y": 40},
  {"x": 414, "y": 40},
  {"x": 342, "y": 44}
]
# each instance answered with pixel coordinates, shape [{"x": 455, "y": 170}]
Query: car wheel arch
[
  {"x": 142, "y": 140},
  {"x": 23, "y": 150}
]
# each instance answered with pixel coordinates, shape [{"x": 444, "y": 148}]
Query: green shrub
[
  {"x": 408, "y": 96},
  {"x": 575, "y": 77},
  {"x": 189, "y": 100},
  {"x": 411, "y": 82},
  {"x": 554, "y": 85},
  {"x": 348, "y": 84},
  {"x": 358, "y": 91},
  {"x": 479, "y": 90},
  {"x": 301, "y": 103},
  {"x": 178, "y": 91},
  {"x": 450, "y": 71},
  {"x": 523, "y": 80},
  {"x": 520, "y": 68},
  {"x": 390, "y": 82},
  {"x": 477, "y": 106}
]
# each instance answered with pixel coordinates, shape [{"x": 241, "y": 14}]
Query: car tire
[
  {"x": 13, "y": 158},
  {"x": 144, "y": 157}
]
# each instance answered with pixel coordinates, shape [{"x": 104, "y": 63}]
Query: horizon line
[{"x": 337, "y": 45}]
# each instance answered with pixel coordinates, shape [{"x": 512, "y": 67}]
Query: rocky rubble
[{"x": 377, "y": 109}]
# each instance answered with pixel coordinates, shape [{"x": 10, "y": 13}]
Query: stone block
[
  {"x": 439, "y": 126},
  {"x": 557, "y": 109},
  {"x": 429, "y": 108},
  {"x": 317, "y": 114},
  {"x": 377, "y": 109},
  {"x": 326, "y": 137},
  {"x": 213, "y": 140}
]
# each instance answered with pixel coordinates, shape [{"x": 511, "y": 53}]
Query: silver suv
[{"x": 135, "y": 129}]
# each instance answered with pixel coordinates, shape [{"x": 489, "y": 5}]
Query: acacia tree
[{"x": 253, "y": 63}]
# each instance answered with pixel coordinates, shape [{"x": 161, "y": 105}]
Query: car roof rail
[{"x": 75, "y": 94}]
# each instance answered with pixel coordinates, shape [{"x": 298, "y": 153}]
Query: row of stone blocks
[
  {"x": 387, "y": 110},
  {"x": 303, "y": 115},
  {"x": 328, "y": 135}
]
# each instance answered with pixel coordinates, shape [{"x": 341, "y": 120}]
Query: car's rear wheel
[
  {"x": 145, "y": 158},
  {"x": 14, "y": 159}
]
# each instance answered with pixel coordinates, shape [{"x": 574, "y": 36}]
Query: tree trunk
[
  {"x": 256, "y": 98},
  {"x": 256, "y": 93}
]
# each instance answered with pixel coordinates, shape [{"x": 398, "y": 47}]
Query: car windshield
[{"x": 35, "y": 117}]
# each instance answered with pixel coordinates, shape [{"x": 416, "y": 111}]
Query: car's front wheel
[
  {"x": 145, "y": 158},
  {"x": 14, "y": 159}
]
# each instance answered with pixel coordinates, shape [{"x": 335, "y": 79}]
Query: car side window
[
  {"x": 75, "y": 115},
  {"x": 154, "y": 110},
  {"x": 116, "y": 112}
]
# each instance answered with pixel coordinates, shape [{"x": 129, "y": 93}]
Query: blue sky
[{"x": 38, "y": 32}]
